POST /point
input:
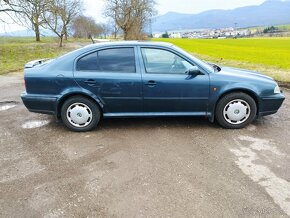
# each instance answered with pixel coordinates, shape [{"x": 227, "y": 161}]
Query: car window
[
  {"x": 117, "y": 60},
  {"x": 109, "y": 60},
  {"x": 160, "y": 61},
  {"x": 88, "y": 62}
]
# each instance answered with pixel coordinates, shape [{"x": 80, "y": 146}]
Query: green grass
[
  {"x": 284, "y": 27},
  {"x": 270, "y": 56},
  {"x": 16, "y": 51}
]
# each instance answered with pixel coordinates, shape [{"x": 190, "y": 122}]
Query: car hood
[{"x": 244, "y": 74}]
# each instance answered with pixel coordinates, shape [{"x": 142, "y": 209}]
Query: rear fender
[{"x": 77, "y": 91}]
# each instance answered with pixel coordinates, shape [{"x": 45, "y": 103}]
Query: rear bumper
[
  {"x": 39, "y": 103},
  {"x": 270, "y": 105}
]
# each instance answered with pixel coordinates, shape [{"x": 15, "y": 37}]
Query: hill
[{"x": 271, "y": 12}]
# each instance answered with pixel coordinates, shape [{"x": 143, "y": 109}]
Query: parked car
[{"x": 145, "y": 79}]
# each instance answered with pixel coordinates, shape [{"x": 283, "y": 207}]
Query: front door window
[{"x": 158, "y": 61}]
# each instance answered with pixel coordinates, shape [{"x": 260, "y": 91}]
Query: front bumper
[
  {"x": 270, "y": 104},
  {"x": 39, "y": 103}
]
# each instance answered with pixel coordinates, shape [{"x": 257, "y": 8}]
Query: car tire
[
  {"x": 236, "y": 110},
  {"x": 80, "y": 114}
]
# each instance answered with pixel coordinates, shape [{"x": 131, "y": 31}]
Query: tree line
[
  {"x": 56, "y": 15},
  {"x": 65, "y": 16}
]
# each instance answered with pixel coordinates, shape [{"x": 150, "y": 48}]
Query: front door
[
  {"x": 168, "y": 87},
  {"x": 112, "y": 75}
]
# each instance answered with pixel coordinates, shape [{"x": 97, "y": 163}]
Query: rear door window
[
  {"x": 109, "y": 60},
  {"x": 88, "y": 63}
]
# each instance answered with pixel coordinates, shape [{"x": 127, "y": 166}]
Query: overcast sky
[{"x": 94, "y": 8}]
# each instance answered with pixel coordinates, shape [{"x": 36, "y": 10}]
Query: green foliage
[
  {"x": 271, "y": 29},
  {"x": 165, "y": 35},
  {"x": 268, "y": 55}
]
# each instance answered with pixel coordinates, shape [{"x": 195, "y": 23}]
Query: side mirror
[{"x": 194, "y": 71}]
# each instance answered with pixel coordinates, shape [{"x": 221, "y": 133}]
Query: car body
[{"x": 145, "y": 79}]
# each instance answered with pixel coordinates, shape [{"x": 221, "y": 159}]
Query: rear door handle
[
  {"x": 91, "y": 81},
  {"x": 151, "y": 83}
]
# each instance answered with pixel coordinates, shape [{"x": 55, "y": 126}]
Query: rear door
[
  {"x": 112, "y": 75},
  {"x": 167, "y": 86}
]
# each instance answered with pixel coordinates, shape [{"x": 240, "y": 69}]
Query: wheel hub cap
[
  {"x": 79, "y": 115},
  {"x": 237, "y": 111}
]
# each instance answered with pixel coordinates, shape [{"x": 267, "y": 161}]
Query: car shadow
[
  {"x": 147, "y": 123},
  {"x": 165, "y": 122}
]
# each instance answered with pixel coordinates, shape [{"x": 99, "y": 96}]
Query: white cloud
[{"x": 95, "y": 8}]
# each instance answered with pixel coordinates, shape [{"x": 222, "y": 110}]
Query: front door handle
[{"x": 151, "y": 83}]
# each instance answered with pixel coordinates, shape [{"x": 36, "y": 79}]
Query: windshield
[{"x": 199, "y": 62}]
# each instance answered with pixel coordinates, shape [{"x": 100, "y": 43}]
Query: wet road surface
[{"x": 162, "y": 167}]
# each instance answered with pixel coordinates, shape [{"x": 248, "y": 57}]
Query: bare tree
[
  {"x": 86, "y": 27},
  {"x": 6, "y": 8},
  {"x": 107, "y": 30},
  {"x": 26, "y": 13},
  {"x": 3, "y": 9},
  {"x": 59, "y": 15},
  {"x": 131, "y": 15},
  {"x": 114, "y": 28}
]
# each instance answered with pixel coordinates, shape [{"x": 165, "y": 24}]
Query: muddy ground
[{"x": 164, "y": 167}]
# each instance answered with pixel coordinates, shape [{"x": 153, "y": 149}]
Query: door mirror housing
[{"x": 194, "y": 71}]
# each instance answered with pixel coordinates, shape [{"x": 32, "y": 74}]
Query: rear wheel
[
  {"x": 236, "y": 110},
  {"x": 80, "y": 114}
]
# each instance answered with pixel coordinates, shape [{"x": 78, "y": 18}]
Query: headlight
[{"x": 277, "y": 90}]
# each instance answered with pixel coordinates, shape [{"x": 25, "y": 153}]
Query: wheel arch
[
  {"x": 61, "y": 101},
  {"x": 249, "y": 92}
]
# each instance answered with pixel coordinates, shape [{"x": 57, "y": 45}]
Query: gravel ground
[{"x": 164, "y": 167}]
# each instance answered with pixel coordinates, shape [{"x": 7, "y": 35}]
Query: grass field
[
  {"x": 270, "y": 56},
  {"x": 15, "y": 52}
]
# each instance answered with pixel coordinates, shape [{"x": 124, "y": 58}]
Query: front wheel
[
  {"x": 80, "y": 114},
  {"x": 236, "y": 110}
]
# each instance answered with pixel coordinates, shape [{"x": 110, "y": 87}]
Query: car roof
[{"x": 129, "y": 43}]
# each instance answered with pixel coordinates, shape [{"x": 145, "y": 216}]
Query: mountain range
[{"x": 271, "y": 12}]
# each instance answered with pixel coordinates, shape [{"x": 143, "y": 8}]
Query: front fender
[{"x": 217, "y": 92}]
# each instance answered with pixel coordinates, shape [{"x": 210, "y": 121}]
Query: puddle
[
  {"x": 34, "y": 124},
  {"x": 6, "y": 105}
]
